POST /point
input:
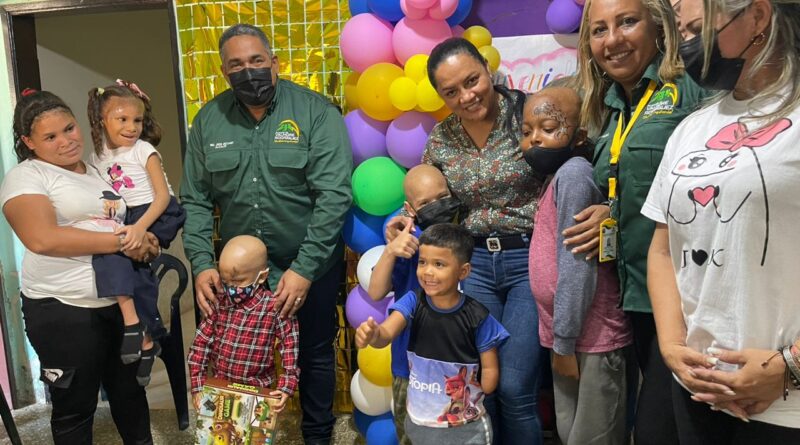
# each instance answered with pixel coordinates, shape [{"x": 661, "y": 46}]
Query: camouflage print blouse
[{"x": 494, "y": 182}]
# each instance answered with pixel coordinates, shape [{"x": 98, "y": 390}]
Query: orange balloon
[{"x": 441, "y": 113}]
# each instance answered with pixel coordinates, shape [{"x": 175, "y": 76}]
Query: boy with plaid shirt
[{"x": 237, "y": 340}]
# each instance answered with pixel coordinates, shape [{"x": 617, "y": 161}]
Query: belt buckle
[{"x": 493, "y": 244}]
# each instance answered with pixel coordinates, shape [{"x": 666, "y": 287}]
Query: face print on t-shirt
[{"x": 702, "y": 181}]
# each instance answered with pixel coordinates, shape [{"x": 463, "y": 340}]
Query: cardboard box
[{"x": 235, "y": 414}]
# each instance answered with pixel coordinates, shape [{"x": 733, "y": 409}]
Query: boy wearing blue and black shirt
[
  {"x": 454, "y": 363},
  {"x": 428, "y": 202}
]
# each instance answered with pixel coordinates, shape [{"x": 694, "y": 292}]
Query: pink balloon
[
  {"x": 412, "y": 12},
  {"x": 580, "y": 2},
  {"x": 412, "y": 37},
  {"x": 366, "y": 28},
  {"x": 422, "y": 4},
  {"x": 457, "y": 30},
  {"x": 443, "y": 9}
]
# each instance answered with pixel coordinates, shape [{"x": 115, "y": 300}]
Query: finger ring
[{"x": 297, "y": 301}]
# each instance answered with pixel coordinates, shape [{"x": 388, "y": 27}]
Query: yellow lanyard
[{"x": 619, "y": 139}]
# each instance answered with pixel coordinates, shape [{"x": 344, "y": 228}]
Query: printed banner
[{"x": 529, "y": 63}]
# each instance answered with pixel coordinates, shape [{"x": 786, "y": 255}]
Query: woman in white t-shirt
[
  {"x": 722, "y": 267},
  {"x": 46, "y": 198}
]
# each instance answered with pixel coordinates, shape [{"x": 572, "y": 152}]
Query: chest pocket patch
[{"x": 287, "y": 165}]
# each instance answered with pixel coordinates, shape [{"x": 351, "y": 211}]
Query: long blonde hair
[
  {"x": 596, "y": 83},
  {"x": 781, "y": 45}
]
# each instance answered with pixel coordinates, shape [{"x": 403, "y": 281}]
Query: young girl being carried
[{"x": 124, "y": 133}]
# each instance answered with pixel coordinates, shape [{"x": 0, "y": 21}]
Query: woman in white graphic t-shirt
[
  {"x": 722, "y": 267},
  {"x": 46, "y": 198}
]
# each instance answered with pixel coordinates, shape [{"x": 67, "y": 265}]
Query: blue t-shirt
[
  {"x": 404, "y": 280},
  {"x": 444, "y": 348}
]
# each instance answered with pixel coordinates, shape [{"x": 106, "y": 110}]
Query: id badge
[{"x": 608, "y": 240}]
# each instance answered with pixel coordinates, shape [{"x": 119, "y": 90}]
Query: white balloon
[
  {"x": 369, "y": 398},
  {"x": 367, "y": 263}
]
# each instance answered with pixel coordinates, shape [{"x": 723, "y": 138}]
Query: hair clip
[
  {"x": 28, "y": 91},
  {"x": 100, "y": 91},
  {"x": 133, "y": 87}
]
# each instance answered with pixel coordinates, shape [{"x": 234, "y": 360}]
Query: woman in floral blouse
[{"x": 477, "y": 149}]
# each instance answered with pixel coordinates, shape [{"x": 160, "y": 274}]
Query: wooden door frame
[{"x": 19, "y": 35}]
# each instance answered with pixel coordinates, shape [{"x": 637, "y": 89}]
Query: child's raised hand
[
  {"x": 282, "y": 403},
  {"x": 367, "y": 333},
  {"x": 134, "y": 235},
  {"x": 405, "y": 245},
  {"x": 566, "y": 365}
]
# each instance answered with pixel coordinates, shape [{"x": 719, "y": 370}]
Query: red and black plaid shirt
[{"x": 238, "y": 341}]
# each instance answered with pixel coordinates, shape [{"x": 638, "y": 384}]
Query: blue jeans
[{"x": 499, "y": 280}]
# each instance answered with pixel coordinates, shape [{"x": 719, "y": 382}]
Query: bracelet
[
  {"x": 121, "y": 238},
  {"x": 792, "y": 370}
]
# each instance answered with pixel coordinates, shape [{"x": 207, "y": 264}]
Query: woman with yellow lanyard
[{"x": 636, "y": 93}]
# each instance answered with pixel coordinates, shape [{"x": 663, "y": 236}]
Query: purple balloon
[
  {"x": 367, "y": 136},
  {"x": 406, "y": 137},
  {"x": 359, "y": 307},
  {"x": 563, "y": 16}
]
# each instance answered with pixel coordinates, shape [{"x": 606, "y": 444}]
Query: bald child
[
  {"x": 428, "y": 202},
  {"x": 236, "y": 341}
]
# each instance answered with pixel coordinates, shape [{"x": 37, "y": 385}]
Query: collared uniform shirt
[
  {"x": 494, "y": 182},
  {"x": 237, "y": 340},
  {"x": 639, "y": 159},
  {"x": 284, "y": 179}
]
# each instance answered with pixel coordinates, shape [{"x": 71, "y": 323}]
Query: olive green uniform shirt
[
  {"x": 284, "y": 179},
  {"x": 639, "y": 159}
]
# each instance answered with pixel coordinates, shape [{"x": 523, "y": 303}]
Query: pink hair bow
[{"x": 135, "y": 88}]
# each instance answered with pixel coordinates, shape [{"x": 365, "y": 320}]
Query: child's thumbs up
[{"x": 367, "y": 333}]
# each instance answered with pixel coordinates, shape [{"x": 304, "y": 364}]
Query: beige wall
[{"x": 79, "y": 52}]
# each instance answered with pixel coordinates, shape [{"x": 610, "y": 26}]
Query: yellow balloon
[
  {"x": 373, "y": 91},
  {"x": 376, "y": 365},
  {"x": 417, "y": 67},
  {"x": 492, "y": 55},
  {"x": 478, "y": 35},
  {"x": 441, "y": 113},
  {"x": 403, "y": 93},
  {"x": 427, "y": 97},
  {"x": 350, "y": 91}
]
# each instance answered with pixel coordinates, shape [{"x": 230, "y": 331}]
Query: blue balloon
[
  {"x": 358, "y": 7},
  {"x": 462, "y": 11},
  {"x": 362, "y": 231},
  {"x": 382, "y": 432},
  {"x": 387, "y": 9},
  {"x": 363, "y": 421},
  {"x": 388, "y": 218}
]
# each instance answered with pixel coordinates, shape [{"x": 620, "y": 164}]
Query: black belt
[{"x": 503, "y": 242}]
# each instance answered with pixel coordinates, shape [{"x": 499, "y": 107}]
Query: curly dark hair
[
  {"x": 151, "y": 130},
  {"x": 29, "y": 108}
]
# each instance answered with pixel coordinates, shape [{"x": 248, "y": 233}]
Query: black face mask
[
  {"x": 444, "y": 210},
  {"x": 253, "y": 86},
  {"x": 723, "y": 73},
  {"x": 547, "y": 161}
]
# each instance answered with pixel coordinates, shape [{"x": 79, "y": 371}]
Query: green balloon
[{"x": 378, "y": 186}]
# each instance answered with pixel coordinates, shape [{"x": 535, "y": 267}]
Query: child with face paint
[
  {"x": 577, "y": 298},
  {"x": 428, "y": 202},
  {"x": 236, "y": 341}
]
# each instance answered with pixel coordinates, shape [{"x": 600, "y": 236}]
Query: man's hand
[
  {"x": 367, "y": 333},
  {"x": 282, "y": 403},
  {"x": 291, "y": 293},
  {"x": 566, "y": 365},
  {"x": 405, "y": 245},
  {"x": 196, "y": 397},
  {"x": 395, "y": 225},
  {"x": 207, "y": 286}
]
